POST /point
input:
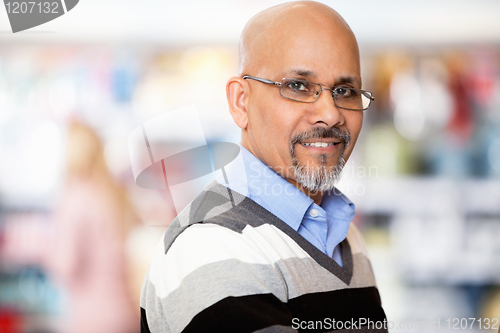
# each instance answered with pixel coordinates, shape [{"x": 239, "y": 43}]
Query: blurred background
[{"x": 425, "y": 175}]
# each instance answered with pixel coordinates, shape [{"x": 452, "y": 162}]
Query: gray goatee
[{"x": 319, "y": 178}]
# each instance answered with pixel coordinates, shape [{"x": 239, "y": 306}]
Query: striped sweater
[{"x": 226, "y": 264}]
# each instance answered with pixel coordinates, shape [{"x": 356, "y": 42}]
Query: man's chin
[{"x": 318, "y": 177}]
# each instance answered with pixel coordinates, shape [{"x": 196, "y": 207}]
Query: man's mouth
[
  {"x": 322, "y": 141},
  {"x": 319, "y": 144}
]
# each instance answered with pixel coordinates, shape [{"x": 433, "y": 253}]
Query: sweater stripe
[
  {"x": 205, "y": 244},
  {"x": 198, "y": 292},
  {"x": 260, "y": 311},
  {"x": 265, "y": 310},
  {"x": 144, "y": 322}
]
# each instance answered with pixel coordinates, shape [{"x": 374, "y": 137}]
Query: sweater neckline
[{"x": 344, "y": 272}]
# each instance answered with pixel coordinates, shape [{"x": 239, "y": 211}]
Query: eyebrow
[
  {"x": 348, "y": 80},
  {"x": 301, "y": 72},
  {"x": 312, "y": 74}
]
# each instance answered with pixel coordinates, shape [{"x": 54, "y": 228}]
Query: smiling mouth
[
  {"x": 319, "y": 144},
  {"x": 323, "y": 141}
]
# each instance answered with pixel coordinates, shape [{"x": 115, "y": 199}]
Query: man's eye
[
  {"x": 298, "y": 86},
  {"x": 343, "y": 92}
]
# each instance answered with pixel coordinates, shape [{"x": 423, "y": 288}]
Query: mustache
[{"x": 322, "y": 133}]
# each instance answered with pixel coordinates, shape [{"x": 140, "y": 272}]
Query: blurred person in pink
[{"x": 88, "y": 258}]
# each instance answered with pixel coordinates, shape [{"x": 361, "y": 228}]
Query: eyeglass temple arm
[{"x": 261, "y": 80}]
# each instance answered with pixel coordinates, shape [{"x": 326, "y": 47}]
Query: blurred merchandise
[{"x": 10, "y": 321}]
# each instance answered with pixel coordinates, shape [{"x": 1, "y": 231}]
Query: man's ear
[{"x": 236, "y": 93}]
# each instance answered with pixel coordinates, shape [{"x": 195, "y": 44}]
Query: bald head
[{"x": 277, "y": 29}]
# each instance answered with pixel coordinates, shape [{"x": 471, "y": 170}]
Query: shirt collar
[
  {"x": 252, "y": 178},
  {"x": 338, "y": 206}
]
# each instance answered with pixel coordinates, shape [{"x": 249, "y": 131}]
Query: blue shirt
[{"x": 323, "y": 226}]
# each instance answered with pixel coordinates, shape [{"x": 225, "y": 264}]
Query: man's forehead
[
  {"x": 324, "y": 57},
  {"x": 302, "y": 29}
]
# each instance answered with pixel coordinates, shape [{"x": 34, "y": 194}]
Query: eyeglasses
[{"x": 308, "y": 92}]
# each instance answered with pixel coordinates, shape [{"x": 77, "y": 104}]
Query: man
[{"x": 271, "y": 248}]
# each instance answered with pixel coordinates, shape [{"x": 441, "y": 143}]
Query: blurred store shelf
[
  {"x": 430, "y": 196},
  {"x": 442, "y": 231},
  {"x": 197, "y": 22}
]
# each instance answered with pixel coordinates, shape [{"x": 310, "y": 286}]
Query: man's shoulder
[
  {"x": 216, "y": 205},
  {"x": 222, "y": 225},
  {"x": 208, "y": 270}
]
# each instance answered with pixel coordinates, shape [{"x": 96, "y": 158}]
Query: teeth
[{"x": 318, "y": 144}]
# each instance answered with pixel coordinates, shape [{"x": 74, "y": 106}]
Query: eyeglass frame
[{"x": 267, "y": 81}]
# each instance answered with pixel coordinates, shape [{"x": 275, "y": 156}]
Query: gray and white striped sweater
[{"x": 226, "y": 264}]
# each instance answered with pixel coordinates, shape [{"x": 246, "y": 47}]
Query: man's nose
[{"x": 325, "y": 111}]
